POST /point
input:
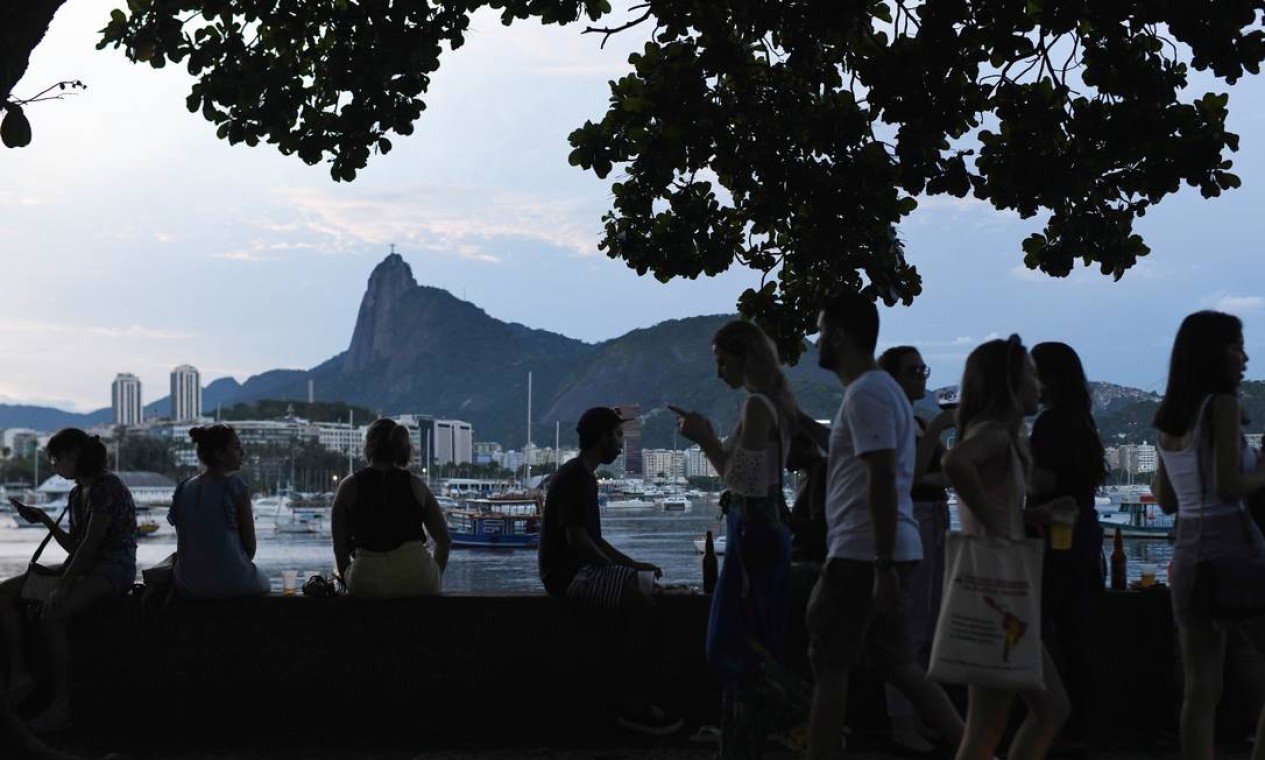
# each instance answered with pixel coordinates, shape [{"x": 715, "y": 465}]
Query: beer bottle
[
  {"x": 1119, "y": 564},
  {"x": 710, "y": 569}
]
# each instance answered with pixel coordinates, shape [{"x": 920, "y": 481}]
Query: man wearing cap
[{"x": 577, "y": 563}]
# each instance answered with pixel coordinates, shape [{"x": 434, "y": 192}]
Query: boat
[
  {"x": 1137, "y": 517},
  {"x": 146, "y": 527},
  {"x": 718, "y": 544},
  {"x": 496, "y": 522},
  {"x": 627, "y": 503},
  {"x": 292, "y": 518},
  {"x": 674, "y": 503}
]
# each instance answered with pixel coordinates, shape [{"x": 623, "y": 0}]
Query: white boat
[
  {"x": 718, "y": 543},
  {"x": 626, "y": 503},
  {"x": 301, "y": 520},
  {"x": 674, "y": 503},
  {"x": 1139, "y": 517}
]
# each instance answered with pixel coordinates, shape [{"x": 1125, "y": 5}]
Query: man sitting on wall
[{"x": 578, "y": 564}]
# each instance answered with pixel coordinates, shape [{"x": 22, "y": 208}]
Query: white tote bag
[{"x": 989, "y": 630}]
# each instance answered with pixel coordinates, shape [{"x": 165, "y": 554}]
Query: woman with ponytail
[
  {"x": 381, "y": 519},
  {"x": 100, "y": 543}
]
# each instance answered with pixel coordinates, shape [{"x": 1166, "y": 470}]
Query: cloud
[
  {"x": 1238, "y": 304},
  {"x": 100, "y": 331},
  {"x": 457, "y": 221},
  {"x": 262, "y": 250}
]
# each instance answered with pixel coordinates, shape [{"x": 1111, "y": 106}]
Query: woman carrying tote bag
[{"x": 988, "y": 468}]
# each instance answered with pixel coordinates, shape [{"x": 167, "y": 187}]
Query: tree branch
[{"x": 609, "y": 31}]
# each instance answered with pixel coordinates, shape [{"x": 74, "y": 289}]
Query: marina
[{"x": 666, "y": 539}]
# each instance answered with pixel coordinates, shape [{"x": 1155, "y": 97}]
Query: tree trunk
[{"x": 23, "y": 24}]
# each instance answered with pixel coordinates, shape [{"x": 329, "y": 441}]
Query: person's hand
[
  {"x": 29, "y": 513},
  {"x": 886, "y": 589},
  {"x": 693, "y": 426},
  {"x": 1064, "y": 508}
]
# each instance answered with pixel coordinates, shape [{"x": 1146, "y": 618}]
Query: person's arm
[
  {"x": 433, "y": 519},
  {"x": 881, "y": 497},
  {"x": 698, "y": 429},
  {"x": 339, "y": 524},
  {"x": 928, "y": 444},
  {"x": 589, "y": 552},
  {"x": 816, "y": 432},
  {"x": 245, "y": 521},
  {"x": 35, "y": 514},
  {"x": 83, "y": 559},
  {"x": 962, "y": 464},
  {"x": 1162, "y": 487},
  {"x": 1229, "y": 482}
]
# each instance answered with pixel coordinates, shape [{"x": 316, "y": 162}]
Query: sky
[{"x": 134, "y": 241}]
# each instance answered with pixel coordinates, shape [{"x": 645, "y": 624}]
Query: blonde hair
[{"x": 761, "y": 368}]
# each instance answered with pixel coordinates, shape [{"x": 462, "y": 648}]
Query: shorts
[
  {"x": 601, "y": 585},
  {"x": 843, "y": 624}
]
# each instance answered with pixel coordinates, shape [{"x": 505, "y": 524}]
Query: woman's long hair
[
  {"x": 1197, "y": 368},
  {"x": 761, "y": 369},
  {"x": 990, "y": 387},
  {"x": 1067, "y": 394}
]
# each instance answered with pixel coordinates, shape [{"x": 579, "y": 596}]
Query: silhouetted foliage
[{"x": 785, "y": 135}]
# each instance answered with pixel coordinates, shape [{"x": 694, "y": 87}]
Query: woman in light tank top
[
  {"x": 747, "y": 623},
  {"x": 988, "y": 468},
  {"x": 1205, "y": 469}
]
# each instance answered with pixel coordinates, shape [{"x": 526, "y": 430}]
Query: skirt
[{"x": 408, "y": 570}]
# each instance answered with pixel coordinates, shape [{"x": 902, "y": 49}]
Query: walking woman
[
  {"x": 1205, "y": 471},
  {"x": 747, "y": 623},
  {"x": 988, "y": 468},
  {"x": 1068, "y": 461},
  {"x": 101, "y": 565},
  {"x": 380, "y": 521}
]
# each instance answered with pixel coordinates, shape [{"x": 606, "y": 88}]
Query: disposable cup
[
  {"x": 1148, "y": 575},
  {"x": 1061, "y": 532},
  {"x": 289, "y": 580},
  {"x": 645, "y": 581}
]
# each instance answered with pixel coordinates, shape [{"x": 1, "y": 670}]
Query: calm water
[{"x": 648, "y": 536}]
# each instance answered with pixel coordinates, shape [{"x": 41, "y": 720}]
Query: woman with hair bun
[
  {"x": 100, "y": 544},
  {"x": 215, "y": 525},
  {"x": 381, "y": 519}
]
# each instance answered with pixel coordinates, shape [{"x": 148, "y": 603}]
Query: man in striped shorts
[{"x": 577, "y": 563}]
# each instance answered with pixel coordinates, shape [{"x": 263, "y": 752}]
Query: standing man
[
  {"x": 872, "y": 537},
  {"x": 577, "y": 563}
]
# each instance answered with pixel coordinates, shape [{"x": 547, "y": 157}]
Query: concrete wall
[{"x": 499, "y": 670}]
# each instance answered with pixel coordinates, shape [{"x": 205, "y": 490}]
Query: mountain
[{"x": 418, "y": 349}]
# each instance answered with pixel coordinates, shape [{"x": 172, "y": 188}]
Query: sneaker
[{"x": 651, "y": 720}]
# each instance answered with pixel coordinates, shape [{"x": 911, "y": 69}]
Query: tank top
[
  {"x": 1196, "y": 494},
  {"x": 1009, "y": 492},
  {"x": 386, "y": 512},
  {"x": 771, "y": 465}
]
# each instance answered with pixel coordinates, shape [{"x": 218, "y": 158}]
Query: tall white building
[
  {"x": 186, "y": 393},
  {"x": 454, "y": 442},
  {"x": 125, "y": 399}
]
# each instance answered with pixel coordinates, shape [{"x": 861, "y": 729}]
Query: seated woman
[
  {"x": 215, "y": 526},
  {"x": 101, "y": 565},
  {"x": 381, "y": 519}
]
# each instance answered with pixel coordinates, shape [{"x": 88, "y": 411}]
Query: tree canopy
[{"x": 789, "y": 136}]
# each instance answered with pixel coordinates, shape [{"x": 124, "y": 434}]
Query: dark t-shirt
[
  {"x": 386, "y": 512},
  {"x": 572, "y": 500},
  {"x": 1062, "y": 445}
]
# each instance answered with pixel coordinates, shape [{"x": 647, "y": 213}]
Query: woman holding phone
[
  {"x": 746, "y": 626},
  {"x": 100, "y": 544}
]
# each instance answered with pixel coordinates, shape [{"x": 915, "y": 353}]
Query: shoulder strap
[
  {"x": 40, "y": 549},
  {"x": 777, "y": 426}
]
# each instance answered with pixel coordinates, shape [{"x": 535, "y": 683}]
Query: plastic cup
[
  {"x": 1061, "y": 531},
  {"x": 645, "y": 581},
  {"x": 289, "y": 580},
  {"x": 1148, "y": 575}
]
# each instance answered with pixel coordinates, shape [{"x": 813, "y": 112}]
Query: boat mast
[
  {"x": 526, "y": 449},
  {"x": 557, "y": 453}
]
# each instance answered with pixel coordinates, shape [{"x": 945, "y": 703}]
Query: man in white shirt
[{"x": 872, "y": 536}]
